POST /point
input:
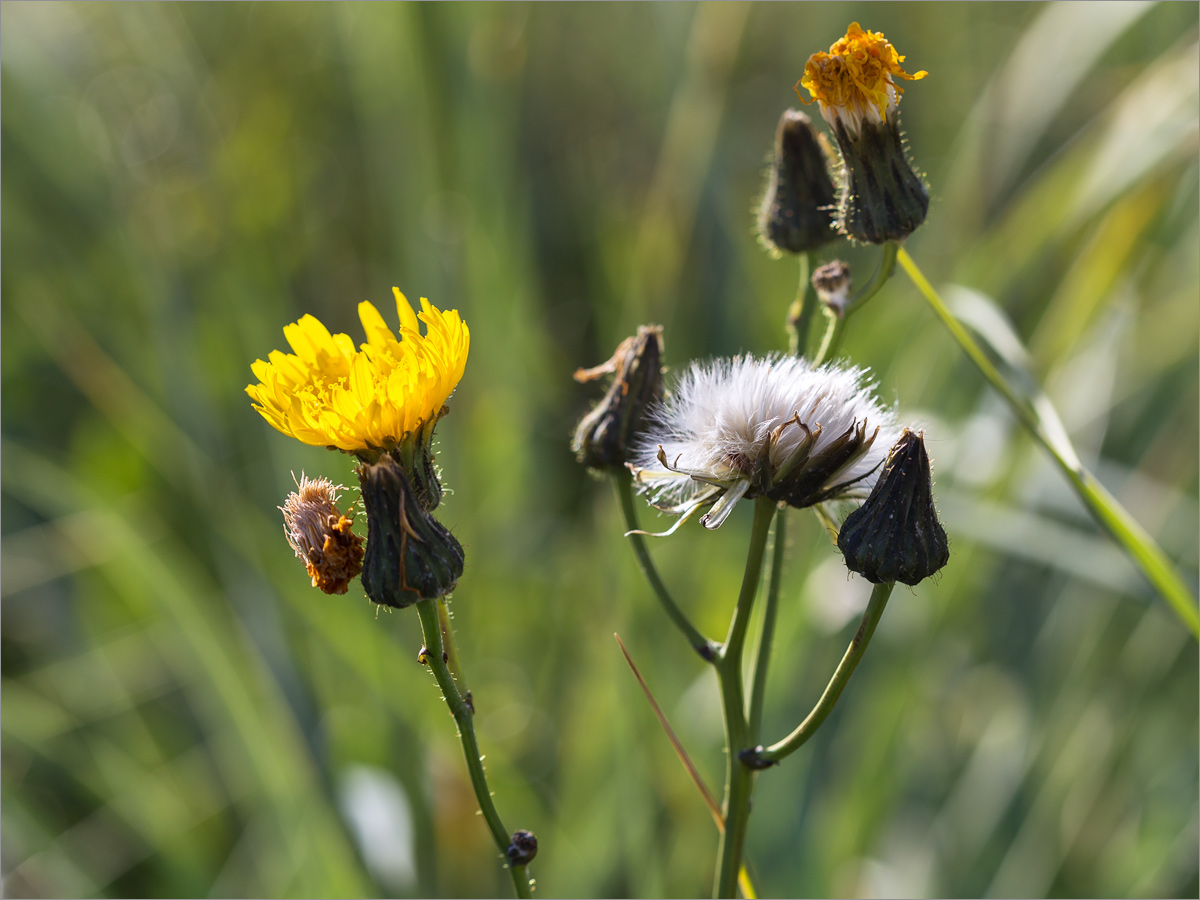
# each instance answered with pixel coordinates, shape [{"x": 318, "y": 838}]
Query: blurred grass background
[{"x": 184, "y": 715}]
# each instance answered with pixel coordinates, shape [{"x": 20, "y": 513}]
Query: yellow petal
[
  {"x": 408, "y": 319},
  {"x": 378, "y": 334}
]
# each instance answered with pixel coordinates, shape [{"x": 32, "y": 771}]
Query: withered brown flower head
[
  {"x": 321, "y": 535},
  {"x": 604, "y": 437}
]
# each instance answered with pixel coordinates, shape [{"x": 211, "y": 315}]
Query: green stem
[
  {"x": 762, "y": 656},
  {"x": 837, "y": 324},
  {"x": 800, "y": 314},
  {"x": 834, "y": 327},
  {"x": 702, "y": 645},
  {"x": 739, "y": 780},
  {"x": 431, "y": 628},
  {"x": 453, "y": 660},
  {"x": 1104, "y": 508},
  {"x": 833, "y": 690}
]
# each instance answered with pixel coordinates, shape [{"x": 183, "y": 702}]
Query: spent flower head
[
  {"x": 880, "y": 197},
  {"x": 856, "y": 80},
  {"x": 321, "y": 535},
  {"x": 604, "y": 436},
  {"x": 363, "y": 401},
  {"x": 896, "y": 535},
  {"x": 748, "y": 426}
]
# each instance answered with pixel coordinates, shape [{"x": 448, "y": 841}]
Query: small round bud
[
  {"x": 832, "y": 284},
  {"x": 321, "y": 536},
  {"x": 751, "y": 760},
  {"x": 523, "y": 848},
  {"x": 796, "y": 214},
  {"x": 895, "y": 535},
  {"x": 603, "y": 437}
]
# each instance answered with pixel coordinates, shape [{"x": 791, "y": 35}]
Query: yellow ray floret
[
  {"x": 329, "y": 394},
  {"x": 857, "y": 75}
]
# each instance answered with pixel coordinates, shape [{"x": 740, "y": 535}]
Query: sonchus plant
[
  {"x": 380, "y": 403},
  {"x": 783, "y": 432}
]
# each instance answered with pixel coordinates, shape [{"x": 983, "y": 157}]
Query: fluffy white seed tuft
[{"x": 718, "y": 423}]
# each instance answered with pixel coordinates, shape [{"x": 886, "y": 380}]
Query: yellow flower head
[
  {"x": 856, "y": 78},
  {"x": 331, "y": 395}
]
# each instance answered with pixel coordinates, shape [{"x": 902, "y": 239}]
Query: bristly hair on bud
[
  {"x": 796, "y": 213},
  {"x": 895, "y": 535},
  {"x": 321, "y": 536},
  {"x": 881, "y": 198},
  {"x": 749, "y": 426},
  {"x": 603, "y": 437}
]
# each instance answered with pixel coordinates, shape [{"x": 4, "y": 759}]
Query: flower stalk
[
  {"x": 702, "y": 645},
  {"x": 739, "y": 780},
  {"x": 762, "y": 655},
  {"x": 803, "y": 309},
  {"x": 435, "y": 657},
  {"x": 760, "y": 758},
  {"x": 1035, "y": 416}
]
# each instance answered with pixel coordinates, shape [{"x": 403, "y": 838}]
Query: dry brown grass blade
[
  {"x": 711, "y": 801},
  {"x": 744, "y": 881}
]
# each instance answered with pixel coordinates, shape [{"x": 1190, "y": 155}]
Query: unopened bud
[
  {"x": 832, "y": 284},
  {"x": 797, "y": 209},
  {"x": 895, "y": 535},
  {"x": 410, "y": 555},
  {"x": 321, "y": 536},
  {"x": 523, "y": 848},
  {"x": 603, "y": 436}
]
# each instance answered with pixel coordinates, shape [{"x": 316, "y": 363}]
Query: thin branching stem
[
  {"x": 833, "y": 690},
  {"x": 762, "y": 655},
  {"x": 739, "y": 780},
  {"x": 804, "y": 307},
  {"x": 702, "y": 645},
  {"x": 431, "y": 629}
]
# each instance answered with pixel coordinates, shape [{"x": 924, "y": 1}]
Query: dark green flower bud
[
  {"x": 603, "y": 437},
  {"x": 882, "y": 198},
  {"x": 895, "y": 535},
  {"x": 523, "y": 848},
  {"x": 796, "y": 214},
  {"x": 410, "y": 556}
]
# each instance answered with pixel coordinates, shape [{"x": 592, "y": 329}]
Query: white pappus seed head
[{"x": 748, "y": 426}]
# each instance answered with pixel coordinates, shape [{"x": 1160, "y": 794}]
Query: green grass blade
[{"x": 1038, "y": 415}]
